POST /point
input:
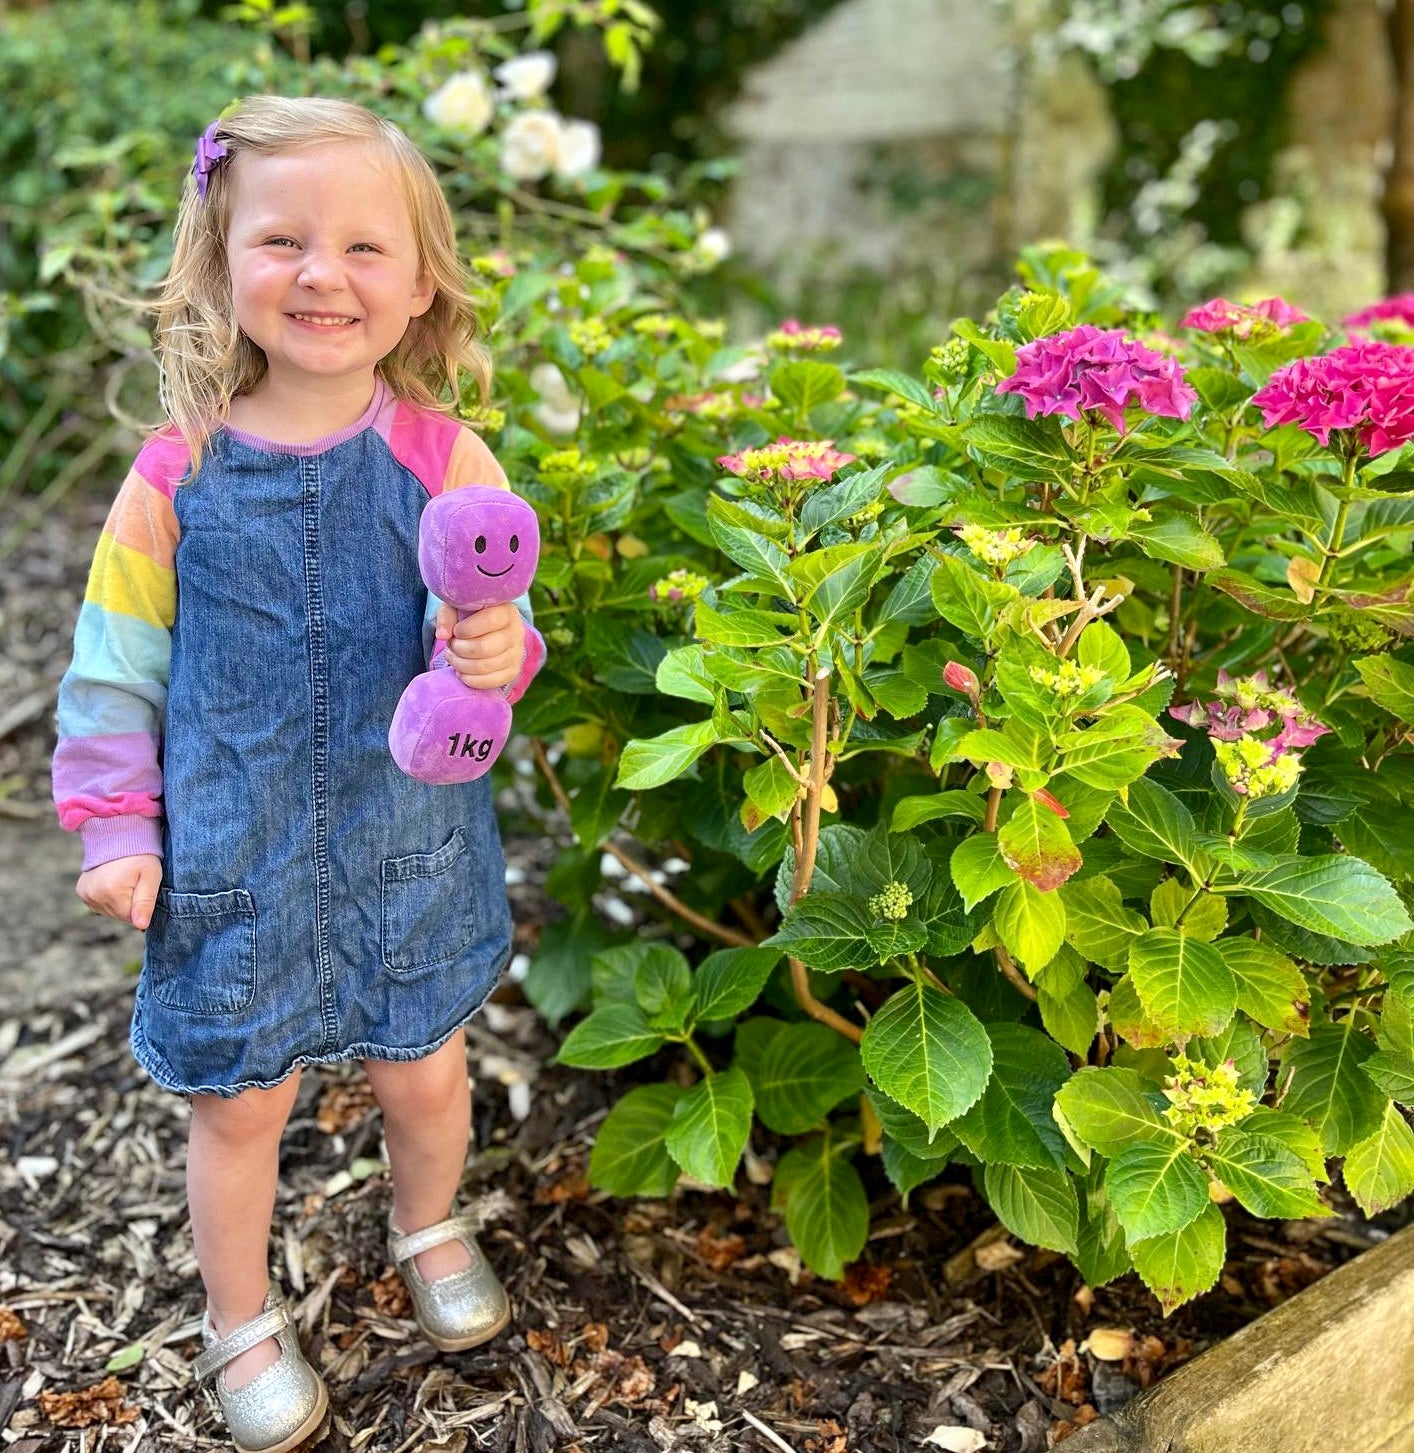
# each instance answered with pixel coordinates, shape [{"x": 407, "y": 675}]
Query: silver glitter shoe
[
  {"x": 280, "y": 1407},
  {"x": 457, "y": 1311}
]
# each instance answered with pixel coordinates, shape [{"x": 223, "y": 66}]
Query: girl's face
[{"x": 325, "y": 272}]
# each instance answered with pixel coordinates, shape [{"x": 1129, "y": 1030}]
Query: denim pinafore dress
[{"x": 316, "y": 904}]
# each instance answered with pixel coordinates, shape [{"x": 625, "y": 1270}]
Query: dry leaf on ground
[{"x": 101, "y": 1403}]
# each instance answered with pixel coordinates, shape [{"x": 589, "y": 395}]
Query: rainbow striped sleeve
[{"x": 107, "y": 772}]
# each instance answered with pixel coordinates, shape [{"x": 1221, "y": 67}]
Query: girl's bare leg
[
  {"x": 426, "y": 1107},
  {"x": 233, "y": 1157}
]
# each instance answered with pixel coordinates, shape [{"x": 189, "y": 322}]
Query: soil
[{"x": 640, "y": 1326}]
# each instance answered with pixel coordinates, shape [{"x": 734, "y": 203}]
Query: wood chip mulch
[{"x": 640, "y": 1326}]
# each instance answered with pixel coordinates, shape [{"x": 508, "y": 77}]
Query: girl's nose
[{"x": 320, "y": 271}]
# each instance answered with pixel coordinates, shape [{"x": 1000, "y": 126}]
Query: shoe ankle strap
[
  {"x": 267, "y": 1324},
  {"x": 403, "y": 1247}
]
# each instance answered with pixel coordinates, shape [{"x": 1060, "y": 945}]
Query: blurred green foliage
[
  {"x": 1171, "y": 93},
  {"x": 104, "y": 101}
]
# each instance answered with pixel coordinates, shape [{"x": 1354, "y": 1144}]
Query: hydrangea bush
[{"x": 1037, "y": 733}]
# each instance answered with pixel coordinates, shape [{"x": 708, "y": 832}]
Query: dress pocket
[
  {"x": 201, "y": 951},
  {"x": 429, "y": 910}
]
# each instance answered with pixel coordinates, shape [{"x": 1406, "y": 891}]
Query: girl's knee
[
  {"x": 251, "y": 1114},
  {"x": 421, "y": 1088}
]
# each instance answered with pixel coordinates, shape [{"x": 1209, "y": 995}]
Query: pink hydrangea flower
[
  {"x": 794, "y": 335},
  {"x": 1254, "y": 761},
  {"x": 1365, "y": 387},
  {"x": 1247, "y": 705},
  {"x": 1398, "y": 309},
  {"x": 1097, "y": 369},
  {"x": 1243, "y": 320},
  {"x": 787, "y": 458}
]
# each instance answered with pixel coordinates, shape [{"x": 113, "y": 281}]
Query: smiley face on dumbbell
[
  {"x": 481, "y": 544},
  {"x": 478, "y": 546}
]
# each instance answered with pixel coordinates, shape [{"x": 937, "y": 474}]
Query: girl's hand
[
  {"x": 125, "y": 888},
  {"x": 487, "y": 647}
]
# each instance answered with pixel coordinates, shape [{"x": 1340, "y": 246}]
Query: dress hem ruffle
[{"x": 160, "y": 1072}]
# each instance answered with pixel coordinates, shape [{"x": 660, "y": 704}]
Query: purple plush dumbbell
[{"x": 477, "y": 546}]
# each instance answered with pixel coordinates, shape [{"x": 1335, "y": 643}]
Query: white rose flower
[
  {"x": 461, "y": 104},
  {"x": 530, "y": 145},
  {"x": 526, "y": 77},
  {"x": 714, "y": 246},
  {"x": 558, "y": 409},
  {"x": 580, "y": 148}
]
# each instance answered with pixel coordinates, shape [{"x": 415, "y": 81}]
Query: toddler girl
[{"x": 253, "y": 613}]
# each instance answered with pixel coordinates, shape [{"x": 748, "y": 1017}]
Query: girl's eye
[
  {"x": 280, "y": 242},
  {"x": 363, "y": 247}
]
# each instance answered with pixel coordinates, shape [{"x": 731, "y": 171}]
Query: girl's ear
[{"x": 424, "y": 294}]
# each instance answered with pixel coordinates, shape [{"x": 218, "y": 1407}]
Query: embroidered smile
[
  {"x": 322, "y": 320},
  {"x": 506, "y": 571}
]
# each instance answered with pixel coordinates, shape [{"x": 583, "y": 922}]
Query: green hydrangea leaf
[
  {"x": 805, "y": 1071},
  {"x": 1031, "y": 924},
  {"x": 1264, "y": 1175},
  {"x": 1339, "y": 896},
  {"x": 612, "y": 1036},
  {"x": 630, "y": 1156},
  {"x": 710, "y": 1125},
  {"x": 1012, "y": 1123},
  {"x": 1379, "y": 1170},
  {"x": 1041, "y": 1207},
  {"x": 1328, "y": 1087},
  {"x": 928, "y": 1051},
  {"x": 1184, "y": 985},
  {"x": 1108, "y": 1110},
  {"x": 1155, "y": 1187},
  {"x": 1183, "y": 1264},
  {"x": 826, "y": 1207}
]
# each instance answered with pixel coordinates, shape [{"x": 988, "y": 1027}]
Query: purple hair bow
[{"x": 210, "y": 153}]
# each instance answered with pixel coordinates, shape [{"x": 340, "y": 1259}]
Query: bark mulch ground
[
  {"x": 640, "y": 1326},
  {"x": 685, "y": 1324}
]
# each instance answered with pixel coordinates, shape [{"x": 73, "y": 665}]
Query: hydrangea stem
[
  {"x": 1011, "y": 973},
  {"x": 668, "y": 899},
  {"x": 808, "y": 842},
  {"x": 1331, "y": 549}
]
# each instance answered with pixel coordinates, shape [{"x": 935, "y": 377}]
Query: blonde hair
[{"x": 206, "y": 360}]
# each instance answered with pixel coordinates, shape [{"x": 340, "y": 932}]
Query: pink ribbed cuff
[{"x": 107, "y": 838}]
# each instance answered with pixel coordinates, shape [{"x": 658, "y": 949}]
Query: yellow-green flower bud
[
  {"x": 590, "y": 336},
  {"x": 997, "y": 548},
  {"x": 892, "y": 902},
  {"x": 1204, "y": 1099},
  {"x": 1068, "y": 679}
]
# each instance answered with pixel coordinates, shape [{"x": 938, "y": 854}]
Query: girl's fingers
[
  {"x": 497, "y": 671},
  {"x": 144, "y": 899},
  {"x": 486, "y": 621}
]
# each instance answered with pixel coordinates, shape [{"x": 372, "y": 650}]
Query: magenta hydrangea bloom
[
  {"x": 1365, "y": 387},
  {"x": 1242, "y": 320},
  {"x": 1097, "y": 369},
  {"x": 1398, "y": 309}
]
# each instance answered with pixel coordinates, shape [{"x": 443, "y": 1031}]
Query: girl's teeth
[{"x": 323, "y": 322}]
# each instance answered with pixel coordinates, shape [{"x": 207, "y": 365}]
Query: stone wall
[{"x": 912, "y": 138}]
